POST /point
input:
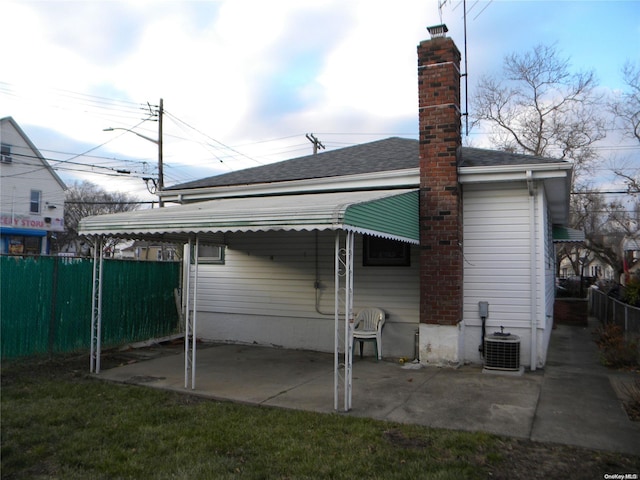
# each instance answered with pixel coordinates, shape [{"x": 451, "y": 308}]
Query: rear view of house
[{"x": 433, "y": 232}]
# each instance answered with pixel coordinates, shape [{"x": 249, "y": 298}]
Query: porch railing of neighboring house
[{"x": 611, "y": 310}]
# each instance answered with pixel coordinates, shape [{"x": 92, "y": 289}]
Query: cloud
[{"x": 245, "y": 71}]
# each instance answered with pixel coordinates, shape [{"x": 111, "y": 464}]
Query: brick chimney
[{"x": 441, "y": 261}]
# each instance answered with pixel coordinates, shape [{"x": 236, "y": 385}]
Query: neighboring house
[
  {"x": 592, "y": 267},
  {"x": 629, "y": 248},
  {"x": 436, "y": 229},
  {"x": 147, "y": 251},
  {"x": 32, "y": 195}
]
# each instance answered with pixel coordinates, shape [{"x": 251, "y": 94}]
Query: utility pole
[
  {"x": 160, "y": 166},
  {"x": 316, "y": 143},
  {"x": 159, "y": 187}
]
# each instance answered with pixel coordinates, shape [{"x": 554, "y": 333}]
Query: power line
[
  {"x": 212, "y": 139},
  {"x": 69, "y": 162},
  {"x": 124, "y": 106},
  {"x": 103, "y": 144}
]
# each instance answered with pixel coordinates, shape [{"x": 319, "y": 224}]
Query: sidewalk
[
  {"x": 571, "y": 402},
  {"x": 578, "y": 403}
]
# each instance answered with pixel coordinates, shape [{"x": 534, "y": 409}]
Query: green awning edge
[
  {"x": 566, "y": 234},
  {"x": 397, "y": 215}
]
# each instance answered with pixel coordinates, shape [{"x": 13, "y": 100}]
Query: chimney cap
[{"x": 437, "y": 31}]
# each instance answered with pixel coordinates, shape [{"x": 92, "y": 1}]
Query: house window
[
  {"x": 34, "y": 203},
  {"x": 211, "y": 254},
  {"x": 382, "y": 252},
  {"x": 5, "y": 153}
]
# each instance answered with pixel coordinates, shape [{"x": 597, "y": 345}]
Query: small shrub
[
  {"x": 607, "y": 334},
  {"x": 632, "y": 400},
  {"x": 632, "y": 292},
  {"x": 615, "y": 350}
]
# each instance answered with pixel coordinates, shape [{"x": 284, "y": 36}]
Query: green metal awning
[
  {"x": 390, "y": 214},
  {"x": 566, "y": 234}
]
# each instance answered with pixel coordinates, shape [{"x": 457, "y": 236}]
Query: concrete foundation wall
[{"x": 441, "y": 344}]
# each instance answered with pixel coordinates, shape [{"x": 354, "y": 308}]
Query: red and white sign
[{"x": 32, "y": 222}]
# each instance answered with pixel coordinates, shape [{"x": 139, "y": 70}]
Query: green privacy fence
[{"x": 45, "y": 303}]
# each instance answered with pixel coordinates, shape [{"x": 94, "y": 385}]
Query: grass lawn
[{"x": 59, "y": 422}]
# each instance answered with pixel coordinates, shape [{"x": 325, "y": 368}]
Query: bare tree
[
  {"x": 623, "y": 225},
  {"x": 606, "y": 226},
  {"x": 85, "y": 199},
  {"x": 588, "y": 213},
  {"x": 538, "y": 107},
  {"x": 625, "y": 107}
]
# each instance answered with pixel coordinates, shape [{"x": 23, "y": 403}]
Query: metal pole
[
  {"x": 187, "y": 316},
  {"x": 99, "y": 326},
  {"x": 195, "y": 314},
  {"x": 160, "y": 159},
  {"x": 348, "y": 322},
  {"x": 336, "y": 345},
  {"x": 96, "y": 307},
  {"x": 94, "y": 279}
]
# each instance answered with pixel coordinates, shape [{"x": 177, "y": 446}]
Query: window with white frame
[
  {"x": 211, "y": 254},
  {"x": 34, "y": 202}
]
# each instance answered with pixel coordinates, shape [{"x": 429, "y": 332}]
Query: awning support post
[
  {"x": 191, "y": 316},
  {"x": 96, "y": 306},
  {"x": 336, "y": 343},
  {"x": 343, "y": 303},
  {"x": 194, "y": 317},
  {"x": 187, "y": 329}
]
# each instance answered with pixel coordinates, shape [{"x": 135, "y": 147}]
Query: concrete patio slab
[{"x": 571, "y": 401}]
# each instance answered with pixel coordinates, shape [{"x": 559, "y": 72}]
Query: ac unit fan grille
[{"x": 502, "y": 352}]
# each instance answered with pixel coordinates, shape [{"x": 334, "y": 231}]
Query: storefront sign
[{"x": 34, "y": 222}]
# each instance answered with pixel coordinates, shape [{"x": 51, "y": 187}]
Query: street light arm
[
  {"x": 158, "y": 142},
  {"x": 111, "y": 129}
]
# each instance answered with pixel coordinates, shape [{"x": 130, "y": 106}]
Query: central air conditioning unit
[{"x": 502, "y": 352}]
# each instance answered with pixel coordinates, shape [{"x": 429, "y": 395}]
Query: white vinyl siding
[
  {"x": 267, "y": 287},
  {"x": 545, "y": 317},
  {"x": 550, "y": 268},
  {"x": 27, "y": 186},
  {"x": 497, "y": 255}
]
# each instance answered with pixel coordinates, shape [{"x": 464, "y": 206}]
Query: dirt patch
[
  {"x": 523, "y": 459},
  {"x": 398, "y": 438}
]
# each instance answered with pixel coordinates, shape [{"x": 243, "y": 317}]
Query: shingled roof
[{"x": 393, "y": 153}]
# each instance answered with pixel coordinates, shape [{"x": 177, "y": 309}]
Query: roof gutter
[{"x": 513, "y": 172}]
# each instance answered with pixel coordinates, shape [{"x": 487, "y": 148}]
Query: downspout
[{"x": 532, "y": 269}]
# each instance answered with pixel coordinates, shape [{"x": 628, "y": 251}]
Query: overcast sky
[{"x": 244, "y": 80}]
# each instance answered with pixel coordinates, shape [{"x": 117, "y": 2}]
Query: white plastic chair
[{"x": 367, "y": 327}]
